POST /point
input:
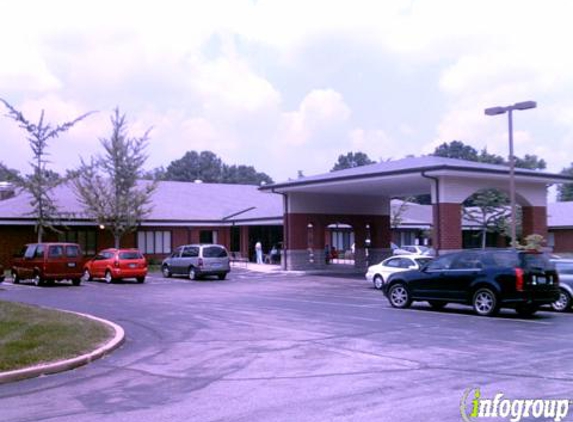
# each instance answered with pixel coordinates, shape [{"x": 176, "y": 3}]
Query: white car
[
  {"x": 413, "y": 249},
  {"x": 379, "y": 273}
]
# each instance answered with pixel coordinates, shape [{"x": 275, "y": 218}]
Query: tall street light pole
[{"x": 493, "y": 111}]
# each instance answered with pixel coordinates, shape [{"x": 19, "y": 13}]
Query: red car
[{"x": 116, "y": 264}]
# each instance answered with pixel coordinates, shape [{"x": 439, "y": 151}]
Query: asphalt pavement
[{"x": 278, "y": 347}]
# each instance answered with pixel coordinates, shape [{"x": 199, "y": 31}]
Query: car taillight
[
  {"x": 200, "y": 262},
  {"x": 519, "y": 279}
]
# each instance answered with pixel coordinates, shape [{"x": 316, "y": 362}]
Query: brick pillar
[
  {"x": 447, "y": 233},
  {"x": 534, "y": 221},
  {"x": 380, "y": 238},
  {"x": 298, "y": 256}
]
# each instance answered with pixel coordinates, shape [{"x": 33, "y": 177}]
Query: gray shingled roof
[
  {"x": 174, "y": 201},
  {"x": 413, "y": 165}
]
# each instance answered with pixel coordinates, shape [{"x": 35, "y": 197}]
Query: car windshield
[{"x": 130, "y": 255}]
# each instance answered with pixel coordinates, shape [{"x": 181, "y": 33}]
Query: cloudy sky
[{"x": 289, "y": 85}]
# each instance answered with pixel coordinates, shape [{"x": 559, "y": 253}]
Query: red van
[{"x": 48, "y": 262}]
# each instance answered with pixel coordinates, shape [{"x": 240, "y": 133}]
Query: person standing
[{"x": 259, "y": 252}]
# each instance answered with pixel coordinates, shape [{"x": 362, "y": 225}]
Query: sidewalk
[{"x": 252, "y": 266}]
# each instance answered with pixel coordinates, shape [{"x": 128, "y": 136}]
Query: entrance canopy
[
  {"x": 361, "y": 197},
  {"x": 413, "y": 176}
]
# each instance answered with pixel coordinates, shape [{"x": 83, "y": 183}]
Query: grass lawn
[{"x": 30, "y": 335}]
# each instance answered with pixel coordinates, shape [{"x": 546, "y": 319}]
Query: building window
[
  {"x": 208, "y": 236},
  {"x": 85, "y": 238},
  {"x": 154, "y": 241}
]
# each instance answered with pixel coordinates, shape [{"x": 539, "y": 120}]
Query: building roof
[
  {"x": 406, "y": 176},
  {"x": 173, "y": 202}
]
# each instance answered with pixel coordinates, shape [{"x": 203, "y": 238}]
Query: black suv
[{"x": 486, "y": 279}]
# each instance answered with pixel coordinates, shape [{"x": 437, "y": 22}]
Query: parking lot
[{"x": 289, "y": 348}]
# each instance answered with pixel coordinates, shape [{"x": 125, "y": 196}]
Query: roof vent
[{"x": 7, "y": 190}]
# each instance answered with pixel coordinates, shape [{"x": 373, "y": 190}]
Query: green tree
[
  {"x": 42, "y": 181},
  {"x": 488, "y": 209},
  {"x": 352, "y": 160},
  {"x": 565, "y": 190},
  {"x": 530, "y": 162},
  {"x": 8, "y": 175},
  {"x": 456, "y": 149},
  {"x": 244, "y": 175},
  {"x": 208, "y": 167},
  {"x": 204, "y": 166},
  {"x": 108, "y": 186}
]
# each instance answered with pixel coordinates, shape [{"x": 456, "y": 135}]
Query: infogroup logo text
[{"x": 474, "y": 407}]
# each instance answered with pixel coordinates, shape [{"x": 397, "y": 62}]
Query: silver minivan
[{"x": 197, "y": 260}]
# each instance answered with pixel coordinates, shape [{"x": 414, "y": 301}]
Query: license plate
[
  {"x": 217, "y": 265},
  {"x": 71, "y": 264},
  {"x": 539, "y": 279},
  {"x": 132, "y": 265}
]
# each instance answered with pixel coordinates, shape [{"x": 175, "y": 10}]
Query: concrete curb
[{"x": 65, "y": 365}]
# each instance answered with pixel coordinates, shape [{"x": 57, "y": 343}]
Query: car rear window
[
  {"x": 535, "y": 260},
  {"x": 214, "y": 252},
  {"x": 130, "y": 255},
  {"x": 72, "y": 251}
]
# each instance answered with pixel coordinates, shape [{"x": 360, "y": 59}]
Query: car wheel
[
  {"x": 76, "y": 281},
  {"x": 437, "y": 304},
  {"x": 526, "y": 310},
  {"x": 222, "y": 276},
  {"x": 193, "y": 274},
  {"x": 399, "y": 296},
  {"x": 140, "y": 280},
  {"x": 166, "y": 271},
  {"x": 87, "y": 276},
  {"x": 378, "y": 282},
  {"x": 563, "y": 303},
  {"x": 108, "y": 278},
  {"x": 485, "y": 302},
  {"x": 15, "y": 278},
  {"x": 38, "y": 281}
]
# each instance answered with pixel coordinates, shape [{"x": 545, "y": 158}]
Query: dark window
[
  {"x": 504, "y": 259},
  {"x": 130, "y": 255},
  {"x": 441, "y": 263},
  {"x": 55, "y": 251},
  {"x": 535, "y": 261},
  {"x": 31, "y": 252},
  {"x": 190, "y": 252},
  {"x": 72, "y": 251},
  {"x": 422, "y": 261},
  {"x": 466, "y": 261},
  {"x": 206, "y": 236},
  {"x": 214, "y": 252},
  {"x": 394, "y": 263},
  {"x": 85, "y": 238}
]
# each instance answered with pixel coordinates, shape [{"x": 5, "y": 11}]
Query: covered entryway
[{"x": 360, "y": 197}]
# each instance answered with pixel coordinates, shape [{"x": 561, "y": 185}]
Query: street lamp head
[
  {"x": 493, "y": 111},
  {"x": 524, "y": 105}
]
